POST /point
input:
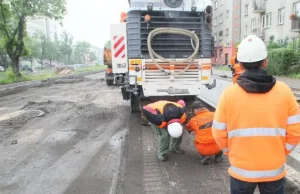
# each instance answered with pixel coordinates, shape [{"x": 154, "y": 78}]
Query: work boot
[
  {"x": 219, "y": 157},
  {"x": 178, "y": 151},
  {"x": 162, "y": 158},
  {"x": 205, "y": 160}
]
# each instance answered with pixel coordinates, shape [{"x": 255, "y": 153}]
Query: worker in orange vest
[
  {"x": 166, "y": 119},
  {"x": 256, "y": 124},
  {"x": 201, "y": 125},
  {"x": 235, "y": 67}
]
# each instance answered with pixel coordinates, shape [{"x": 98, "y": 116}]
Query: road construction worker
[
  {"x": 204, "y": 142},
  {"x": 256, "y": 124},
  {"x": 235, "y": 67},
  {"x": 166, "y": 119}
]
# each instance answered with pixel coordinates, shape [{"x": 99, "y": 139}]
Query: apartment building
[
  {"x": 226, "y": 30},
  {"x": 266, "y": 18},
  {"x": 43, "y": 25}
]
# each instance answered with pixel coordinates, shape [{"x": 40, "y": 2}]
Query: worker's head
[
  {"x": 175, "y": 129},
  {"x": 252, "y": 53},
  {"x": 197, "y": 106}
]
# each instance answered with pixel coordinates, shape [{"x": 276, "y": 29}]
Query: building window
[
  {"x": 266, "y": 20},
  {"x": 221, "y": 18},
  {"x": 215, "y": 37},
  {"x": 215, "y": 21},
  {"x": 246, "y": 30},
  {"x": 216, "y": 4},
  {"x": 281, "y": 16},
  {"x": 227, "y": 13},
  {"x": 253, "y": 24},
  {"x": 221, "y": 35},
  {"x": 221, "y": 2},
  {"x": 227, "y": 32},
  {"x": 280, "y": 41},
  {"x": 246, "y": 9},
  {"x": 297, "y": 8}
]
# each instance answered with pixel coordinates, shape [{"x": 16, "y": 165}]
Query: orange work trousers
[{"x": 207, "y": 149}]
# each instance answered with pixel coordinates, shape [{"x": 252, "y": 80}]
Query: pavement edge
[{"x": 117, "y": 186}]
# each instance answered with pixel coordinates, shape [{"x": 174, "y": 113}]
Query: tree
[
  {"x": 80, "y": 51},
  {"x": 3, "y": 53},
  {"x": 66, "y": 44},
  {"x": 34, "y": 47},
  {"x": 93, "y": 56},
  {"x": 13, "y": 23}
]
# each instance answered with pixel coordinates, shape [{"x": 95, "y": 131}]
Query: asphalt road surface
[{"x": 81, "y": 138}]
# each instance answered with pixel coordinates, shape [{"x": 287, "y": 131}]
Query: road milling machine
[{"x": 163, "y": 51}]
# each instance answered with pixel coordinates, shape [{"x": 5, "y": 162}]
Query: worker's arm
[
  {"x": 189, "y": 126},
  {"x": 219, "y": 127},
  {"x": 293, "y": 124},
  {"x": 153, "y": 115}
]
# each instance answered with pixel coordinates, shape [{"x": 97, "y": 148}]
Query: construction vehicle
[
  {"x": 109, "y": 77},
  {"x": 114, "y": 75},
  {"x": 166, "y": 47}
]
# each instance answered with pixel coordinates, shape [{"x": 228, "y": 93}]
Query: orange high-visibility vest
[
  {"x": 160, "y": 106},
  {"x": 257, "y": 131},
  {"x": 204, "y": 141},
  {"x": 237, "y": 69}
]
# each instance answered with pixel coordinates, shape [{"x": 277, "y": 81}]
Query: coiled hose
[{"x": 178, "y": 31}]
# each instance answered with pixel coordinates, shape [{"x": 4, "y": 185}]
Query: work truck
[{"x": 163, "y": 50}]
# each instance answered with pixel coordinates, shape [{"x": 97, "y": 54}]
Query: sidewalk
[
  {"x": 293, "y": 83},
  {"x": 294, "y": 158}
]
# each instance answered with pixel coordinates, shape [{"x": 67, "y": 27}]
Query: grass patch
[
  {"x": 295, "y": 76},
  {"x": 90, "y": 68}
]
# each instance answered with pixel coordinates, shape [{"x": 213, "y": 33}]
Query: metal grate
[
  {"x": 153, "y": 74},
  {"x": 168, "y": 45}
]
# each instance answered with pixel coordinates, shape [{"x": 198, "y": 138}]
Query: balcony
[
  {"x": 259, "y": 6},
  {"x": 295, "y": 24}
]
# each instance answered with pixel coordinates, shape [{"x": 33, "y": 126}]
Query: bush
[{"x": 283, "y": 61}]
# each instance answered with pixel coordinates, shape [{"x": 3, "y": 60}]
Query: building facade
[
  {"x": 225, "y": 29},
  {"x": 265, "y": 18},
  {"x": 44, "y": 26}
]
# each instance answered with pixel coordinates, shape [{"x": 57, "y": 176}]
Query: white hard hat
[
  {"x": 175, "y": 129},
  {"x": 252, "y": 49}
]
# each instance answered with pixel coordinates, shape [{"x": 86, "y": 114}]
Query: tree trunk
[{"x": 15, "y": 63}]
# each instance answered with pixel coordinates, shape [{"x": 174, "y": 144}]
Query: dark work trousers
[{"x": 241, "y": 187}]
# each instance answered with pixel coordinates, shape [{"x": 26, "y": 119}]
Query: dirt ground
[
  {"x": 81, "y": 138},
  {"x": 65, "y": 139}
]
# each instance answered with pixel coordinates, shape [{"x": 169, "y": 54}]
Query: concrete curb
[
  {"x": 118, "y": 180},
  {"x": 9, "y": 89}
]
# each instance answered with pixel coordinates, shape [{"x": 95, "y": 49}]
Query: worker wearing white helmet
[
  {"x": 256, "y": 124},
  {"x": 166, "y": 119}
]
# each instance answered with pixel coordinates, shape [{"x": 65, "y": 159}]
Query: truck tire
[
  {"x": 109, "y": 82},
  {"x": 134, "y": 103}
]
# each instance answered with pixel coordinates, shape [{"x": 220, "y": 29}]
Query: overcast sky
[{"x": 90, "y": 20}]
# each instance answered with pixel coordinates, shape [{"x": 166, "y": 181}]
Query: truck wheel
[
  {"x": 134, "y": 103},
  {"x": 109, "y": 82}
]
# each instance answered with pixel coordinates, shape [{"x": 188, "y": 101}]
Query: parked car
[
  {"x": 26, "y": 68},
  {"x": 2, "y": 69}
]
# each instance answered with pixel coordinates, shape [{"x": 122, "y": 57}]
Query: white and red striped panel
[{"x": 119, "y": 47}]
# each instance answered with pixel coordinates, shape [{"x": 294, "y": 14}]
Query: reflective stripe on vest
[
  {"x": 219, "y": 126},
  {"x": 293, "y": 119},
  {"x": 289, "y": 147},
  {"x": 225, "y": 150},
  {"x": 257, "y": 132},
  {"x": 257, "y": 174}
]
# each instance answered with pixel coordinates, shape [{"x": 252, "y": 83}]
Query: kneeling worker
[
  {"x": 166, "y": 119},
  {"x": 204, "y": 142}
]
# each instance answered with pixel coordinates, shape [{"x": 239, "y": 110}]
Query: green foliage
[
  {"x": 90, "y": 68},
  {"x": 108, "y": 45},
  {"x": 81, "y": 50},
  {"x": 13, "y": 23},
  {"x": 284, "y": 60}
]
